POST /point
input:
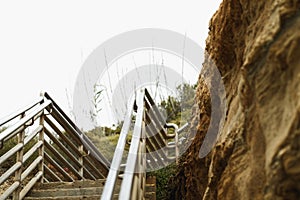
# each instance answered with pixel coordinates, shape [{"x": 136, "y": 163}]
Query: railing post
[
  {"x": 175, "y": 127},
  {"x": 176, "y": 146},
  {"x": 80, "y": 148},
  {"x": 19, "y": 158},
  {"x": 41, "y": 149},
  {"x": 143, "y": 156}
]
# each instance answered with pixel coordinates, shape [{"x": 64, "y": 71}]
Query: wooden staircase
[{"x": 51, "y": 158}]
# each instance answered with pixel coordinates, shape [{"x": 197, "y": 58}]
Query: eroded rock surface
[{"x": 256, "y": 47}]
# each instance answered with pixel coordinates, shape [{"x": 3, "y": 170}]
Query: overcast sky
[{"x": 43, "y": 44}]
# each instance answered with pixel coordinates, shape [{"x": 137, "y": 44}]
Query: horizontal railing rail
[
  {"x": 159, "y": 152},
  {"x": 76, "y": 131}
]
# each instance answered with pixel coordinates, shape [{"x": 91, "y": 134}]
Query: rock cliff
[{"x": 256, "y": 47}]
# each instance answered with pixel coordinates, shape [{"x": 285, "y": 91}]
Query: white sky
[{"x": 44, "y": 43}]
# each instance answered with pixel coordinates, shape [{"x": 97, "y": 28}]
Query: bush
[
  {"x": 163, "y": 177},
  {"x": 12, "y": 143}
]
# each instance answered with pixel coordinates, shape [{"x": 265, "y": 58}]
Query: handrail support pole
[
  {"x": 80, "y": 148},
  {"x": 41, "y": 149},
  {"x": 19, "y": 158}
]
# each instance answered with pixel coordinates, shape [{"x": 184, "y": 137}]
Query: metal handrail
[
  {"x": 136, "y": 152},
  {"x": 111, "y": 181},
  {"x": 13, "y": 130},
  {"x": 21, "y": 111},
  {"x": 146, "y": 137}
]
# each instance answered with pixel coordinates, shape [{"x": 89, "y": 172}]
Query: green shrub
[
  {"x": 162, "y": 179},
  {"x": 12, "y": 143}
]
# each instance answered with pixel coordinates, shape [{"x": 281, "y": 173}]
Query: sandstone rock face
[{"x": 256, "y": 47}]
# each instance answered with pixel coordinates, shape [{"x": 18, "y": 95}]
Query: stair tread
[
  {"x": 79, "y": 184},
  {"x": 66, "y": 192},
  {"x": 85, "y": 189},
  {"x": 91, "y": 197}
]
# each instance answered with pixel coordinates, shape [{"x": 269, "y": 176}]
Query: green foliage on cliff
[{"x": 178, "y": 109}]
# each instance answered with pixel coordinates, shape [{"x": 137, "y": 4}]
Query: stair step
[
  {"x": 85, "y": 189},
  {"x": 76, "y": 184},
  {"x": 150, "y": 188},
  {"x": 150, "y": 195},
  {"x": 66, "y": 192},
  {"x": 90, "y": 197}
]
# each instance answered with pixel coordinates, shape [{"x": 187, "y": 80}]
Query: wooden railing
[{"x": 44, "y": 145}]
